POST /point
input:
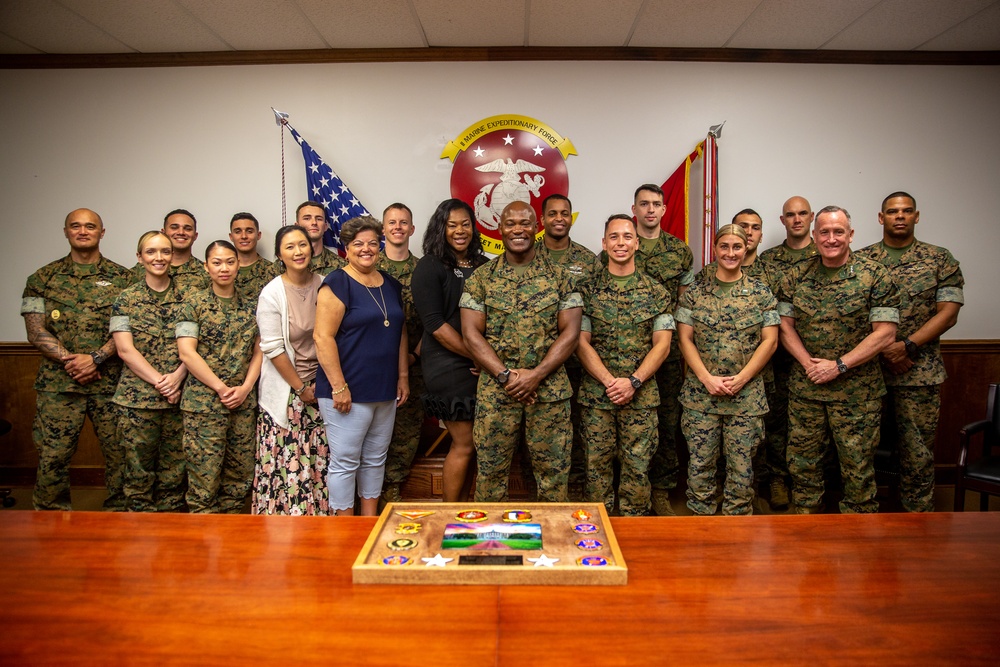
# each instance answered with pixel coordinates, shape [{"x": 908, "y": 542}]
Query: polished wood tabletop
[{"x": 893, "y": 589}]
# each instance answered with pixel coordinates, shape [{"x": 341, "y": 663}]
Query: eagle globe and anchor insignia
[{"x": 507, "y": 158}]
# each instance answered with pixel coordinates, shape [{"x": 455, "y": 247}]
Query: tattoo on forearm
[{"x": 43, "y": 340}]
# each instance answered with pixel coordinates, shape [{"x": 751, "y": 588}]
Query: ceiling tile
[
  {"x": 903, "y": 25},
  {"x": 690, "y": 23},
  {"x": 10, "y": 45},
  {"x": 797, "y": 24},
  {"x": 150, "y": 26},
  {"x": 358, "y": 24},
  {"x": 590, "y": 23},
  {"x": 471, "y": 22},
  {"x": 51, "y": 28},
  {"x": 979, "y": 32},
  {"x": 262, "y": 24}
]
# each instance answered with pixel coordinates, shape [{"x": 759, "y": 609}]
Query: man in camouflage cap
[
  {"x": 625, "y": 336},
  {"x": 930, "y": 289},
  {"x": 521, "y": 321},
  {"x": 838, "y": 312},
  {"x": 67, "y": 307}
]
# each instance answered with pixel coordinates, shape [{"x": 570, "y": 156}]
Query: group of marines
[{"x": 576, "y": 350}]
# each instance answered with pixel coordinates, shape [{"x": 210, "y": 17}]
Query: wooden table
[{"x": 93, "y": 588}]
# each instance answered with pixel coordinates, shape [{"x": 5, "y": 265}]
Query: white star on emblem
[
  {"x": 478, "y": 151},
  {"x": 354, "y": 201},
  {"x": 344, "y": 209},
  {"x": 538, "y": 150},
  {"x": 314, "y": 168},
  {"x": 543, "y": 561},
  {"x": 508, "y": 140},
  {"x": 437, "y": 561},
  {"x": 324, "y": 182}
]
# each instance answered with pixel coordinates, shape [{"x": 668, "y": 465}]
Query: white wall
[{"x": 135, "y": 143}]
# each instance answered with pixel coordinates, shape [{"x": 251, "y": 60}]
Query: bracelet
[
  {"x": 298, "y": 392},
  {"x": 341, "y": 390}
]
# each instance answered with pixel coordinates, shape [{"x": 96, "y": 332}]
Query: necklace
[
  {"x": 382, "y": 308},
  {"x": 465, "y": 263}
]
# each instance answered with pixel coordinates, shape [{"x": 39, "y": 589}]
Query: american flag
[{"x": 325, "y": 187}]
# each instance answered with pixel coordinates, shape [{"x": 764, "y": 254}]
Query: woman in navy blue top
[{"x": 363, "y": 375}]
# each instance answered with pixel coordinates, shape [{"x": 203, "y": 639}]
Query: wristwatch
[
  {"x": 298, "y": 392},
  {"x": 636, "y": 382},
  {"x": 99, "y": 357},
  {"x": 841, "y": 366},
  {"x": 912, "y": 351},
  {"x": 503, "y": 376}
]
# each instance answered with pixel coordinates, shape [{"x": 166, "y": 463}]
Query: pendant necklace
[{"x": 382, "y": 308}]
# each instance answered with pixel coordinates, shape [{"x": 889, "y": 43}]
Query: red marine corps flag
[{"x": 677, "y": 192}]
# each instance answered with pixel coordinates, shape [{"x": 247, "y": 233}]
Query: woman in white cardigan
[{"x": 292, "y": 455}]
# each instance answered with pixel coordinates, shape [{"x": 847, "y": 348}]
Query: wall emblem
[{"x": 506, "y": 158}]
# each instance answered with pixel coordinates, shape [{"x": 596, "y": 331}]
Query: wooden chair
[{"x": 982, "y": 474}]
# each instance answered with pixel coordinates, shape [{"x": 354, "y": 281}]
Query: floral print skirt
[{"x": 290, "y": 473}]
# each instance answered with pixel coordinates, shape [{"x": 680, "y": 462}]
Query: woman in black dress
[{"x": 452, "y": 251}]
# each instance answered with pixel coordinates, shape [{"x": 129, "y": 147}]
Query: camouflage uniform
[
  {"x": 409, "y": 416},
  {"x": 770, "y": 460},
  {"x": 76, "y": 301},
  {"x": 251, "y": 279},
  {"x": 581, "y": 263},
  {"x": 149, "y": 427},
  {"x": 621, "y": 321},
  {"x": 925, "y": 275},
  {"x": 219, "y": 444},
  {"x": 668, "y": 263},
  {"x": 521, "y": 325},
  {"x": 188, "y": 277},
  {"x": 782, "y": 258},
  {"x": 324, "y": 263},
  {"x": 833, "y": 314},
  {"x": 727, "y": 323}
]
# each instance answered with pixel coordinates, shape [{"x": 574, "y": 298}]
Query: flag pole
[
  {"x": 710, "y": 213},
  {"x": 281, "y": 120}
]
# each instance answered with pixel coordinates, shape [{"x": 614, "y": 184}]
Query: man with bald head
[
  {"x": 521, "y": 321},
  {"x": 67, "y": 311},
  {"x": 797, "y": 218},
  {"x": 838, "y": 311}
]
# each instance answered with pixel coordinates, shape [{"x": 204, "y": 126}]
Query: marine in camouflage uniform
[
  {"x": 831, "y": 313},
  {"x": 523, "y": 316},
  {"x": 326, "y": 262},
  {"x": 219, "y": 444},
  {"x": 67, "y": 306},
  {"x": 622, "y": 319},
  {"x": 726, "y": 321},
  {"x": 410, "y": 416},
  {"x": 252, "y": 278},
  {"x": 188, "y": 277},
  {"x": 930, "y": 286},
  {"x": 149, "y": 426},
  {"x": 581, "y": 263},
  {"x": 668, "y": 262}
]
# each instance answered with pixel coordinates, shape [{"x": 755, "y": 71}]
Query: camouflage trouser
[
  {"x": 736, "y": 438},
  {"x": 664, "y": 467},
  {"x": 855, "y": 431},
  {"x": 776, "y": 420},
  {"x": 406, "y": 432},
  {"x": 58, "y": 421},
  {"x": 219, "y": 451},
  {"x": 629, "y": 436},
  {"x": 547, "y": 435},
  {"x": 154, "y": 459},
  {"x": 916, "y": 412}
]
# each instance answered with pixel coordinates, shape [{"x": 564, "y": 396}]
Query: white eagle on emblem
[{"x": 492, "y": 199}]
